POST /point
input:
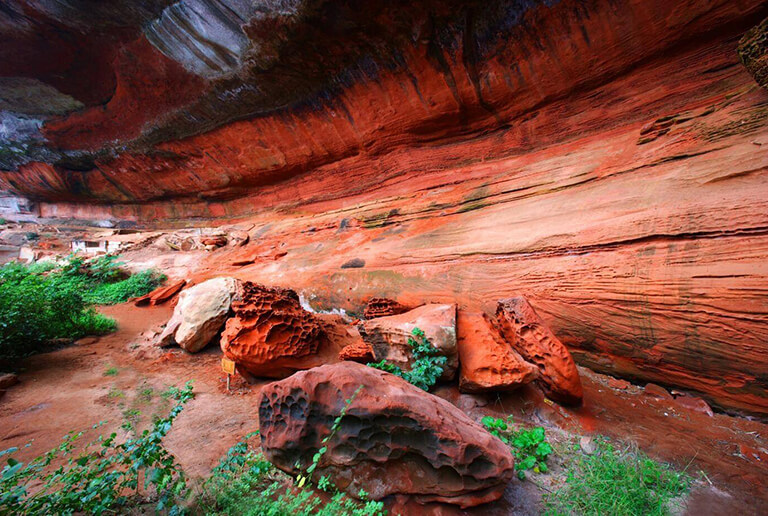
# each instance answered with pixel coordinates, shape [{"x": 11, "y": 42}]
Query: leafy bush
[
  {"x": 36, "y": 308},
  {"x": 426, "y": 367},
  {"x": 98, "y": 477},
  {"x": 617, "y": 482},
  {"x": 45, "y": 301},
  {"x": 530, "y": 447}
]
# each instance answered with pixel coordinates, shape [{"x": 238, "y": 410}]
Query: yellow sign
[{"x": 227, "y": 366}]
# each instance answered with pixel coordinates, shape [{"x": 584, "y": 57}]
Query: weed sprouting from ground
[
  {"x": 621, "y": 482},
  {"x": 100, "y": 477},
  {"x": 529, "y": 446},
  {"x": 245, "y": 483}
]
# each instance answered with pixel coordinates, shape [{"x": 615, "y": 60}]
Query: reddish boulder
[
  {"x": 383, "y": 307},
  {"x": 522, "y": 327},
  {"x": 389, "y": 336},
  {"x": 271, "y": 335},
  {"x": 394, "y": 440},
  {"x": 160, "y": 295},
  {"x": 488, "y": 362},
  {"x": 357, "y": 352}
]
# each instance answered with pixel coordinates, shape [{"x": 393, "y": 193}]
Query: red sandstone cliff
[{"x": 606, "y": 158}]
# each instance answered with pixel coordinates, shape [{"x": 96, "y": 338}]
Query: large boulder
[
  {"x": 395, "y": 439},
  {"x": 488, "y": 362},
  {"x": 272, "y": 336},
  {"x": 388, "y": 336},
  {"x": 200, "y": 314},
  {"x": 523, "y": 328}
]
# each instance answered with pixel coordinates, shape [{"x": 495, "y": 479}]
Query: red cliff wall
[{"x": 606, "y": 159}]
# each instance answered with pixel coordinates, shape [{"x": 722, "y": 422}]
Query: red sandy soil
[{"x": 67, "y": 390}]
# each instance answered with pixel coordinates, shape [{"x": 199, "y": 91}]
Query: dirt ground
[{"x": 115, "y": 377}]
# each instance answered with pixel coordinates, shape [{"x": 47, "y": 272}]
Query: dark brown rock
[
  {"x": 8, "y": 380},
  {"x": 394, "y": 440}
]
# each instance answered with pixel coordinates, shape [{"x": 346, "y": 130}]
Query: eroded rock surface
[
  {"x": 383, "y": 307},
  {"x": 388, "y": 336},
  {"x": 487, "y": 362},
  {"x": 358, "y": 352},
  {"x": 522, "y": 327},
  {"x": 753, "y": 50},
  {"x": 200, "y": 314},
  {"x": 395, "y": 438},
  {"x": 271, "y": 335}
]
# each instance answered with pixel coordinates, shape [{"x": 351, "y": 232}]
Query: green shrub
[
  {"x": 99, "y": 477},
  {"x": 46, "y": 301},
  {"x": 426, "y": 366},
  {"x": 36, "y": 308},
  {"x": 529, "y": 446},
  {"x": 617, "y": 482}
]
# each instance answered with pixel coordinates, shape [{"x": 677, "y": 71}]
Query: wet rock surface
[
  {"x": 394, "y": 439},
  {"x": 522, "y": 327},
  {"x": 389, "y": 336}
]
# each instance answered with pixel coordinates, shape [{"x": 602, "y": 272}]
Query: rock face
[
  {"x": 753, "y": 50},
  {"x": 271, "y": 335},
  {"x": 522, "y": 327},
  {"x": 395, "y": 438},
  {"x": 487, "y": 362},
  {"x": 200, "y": 314},
  {"x": 383, "y": 307},
  {"x": 388, "y": 336},
  {"x": 464, "y": 151}
]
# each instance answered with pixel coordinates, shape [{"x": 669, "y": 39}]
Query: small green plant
[
  {"x": 426, "y": 367},
  {"x": 245, "y": 483},
  {"x": 99, "y": 477},
  {"x": 3, "y": 221},
  {"x": 529, "y": 446},
  {"x": 617, "y": 482},
  {"x": 115, "y": 393},
  {"x": 111, "y": 371}
]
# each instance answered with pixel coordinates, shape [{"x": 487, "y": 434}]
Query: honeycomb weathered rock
[
  {"x": 271, "y": 335},
  {"x": 383, "y": 307},
  {"x": 394, "y": 439},
  {"x": 522, "y": 327}
]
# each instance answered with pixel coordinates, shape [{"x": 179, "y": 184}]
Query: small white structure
[{"x": 91, "y": 247}]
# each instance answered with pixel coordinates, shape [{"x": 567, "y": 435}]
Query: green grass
[
  {"x": 621, "y": 482},
  {"x": 43, "y": 302},
  {"x": 112, "y": 371}
]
